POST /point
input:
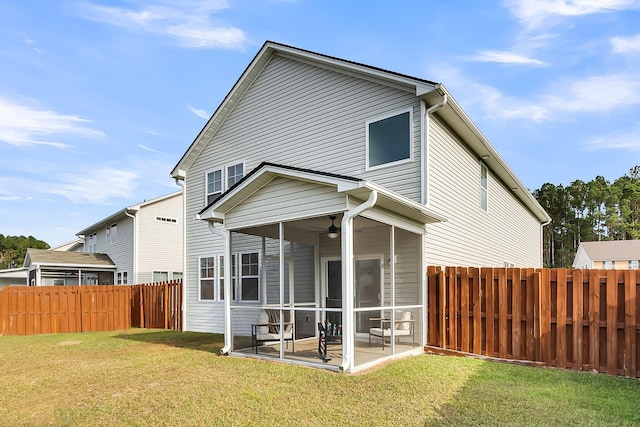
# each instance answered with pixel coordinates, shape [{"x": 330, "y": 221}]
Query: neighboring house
[
  {"x": 76, "y": 245},
  {"x": 62, "y": 268},
  {"x": 145, "y": 241},
  {"x": 13, "y": 277},
  {"x": 609, "y": 255},
  {"x": 320, "y": 190}
]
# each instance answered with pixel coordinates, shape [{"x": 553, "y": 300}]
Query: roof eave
[{"x": 460, "y": 122}]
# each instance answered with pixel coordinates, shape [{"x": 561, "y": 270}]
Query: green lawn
[{"x": 148, "y": 377}]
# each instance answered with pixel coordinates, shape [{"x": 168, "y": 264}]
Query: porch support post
[
  {"x": 228, "y": 293},
  {"x": 348, "y": 332},
  {"x": 281, "y": 285},
  {"x": 348, "y": 329}
]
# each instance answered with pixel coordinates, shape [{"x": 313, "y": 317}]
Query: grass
[{"x": 146, "y": 377}]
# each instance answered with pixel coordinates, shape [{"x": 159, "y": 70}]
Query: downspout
[
  {"x": 180, "y": 183},
  {"x": 542, "y": 226},
  {"x": 224, "y": 234},
  {"x": 135, "y": 246},
  {"x": 347, "y": 277},
  {"x": 425, "y": 147}
]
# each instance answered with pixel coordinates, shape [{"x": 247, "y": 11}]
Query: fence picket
[
  {"x": 26, "y": 310},
  {"x": 575, "y": 319}
]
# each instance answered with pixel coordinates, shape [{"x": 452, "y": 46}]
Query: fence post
[
  {"x": 612, "y": 322},
  {"x": 630, "y": 278},
  {"x": 166, "y": 305},
  {"x": 443, "y": 308},
  {"x": 577, "y": 317}
]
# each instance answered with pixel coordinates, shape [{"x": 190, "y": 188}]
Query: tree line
[
  {"x": 14, "y": 248},
  {"x": 589, "y": 211}
]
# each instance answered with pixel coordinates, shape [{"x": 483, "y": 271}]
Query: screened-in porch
[
  {"x": 289, "y": 300},
  {"x": 320, "y": 269}
]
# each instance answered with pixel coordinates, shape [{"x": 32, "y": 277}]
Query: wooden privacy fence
[
  {"x": 575, "y": 319},
  {"x": 29, "y": 310},
  {"x": 157, "y": 305}
]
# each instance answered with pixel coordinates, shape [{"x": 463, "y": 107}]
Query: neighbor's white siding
[
  {"x": 507, "y": 232},
  {"x": 160, "y": 245}
]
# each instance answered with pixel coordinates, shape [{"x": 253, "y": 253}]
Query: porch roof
[
  {"x": 67, "y": 260},
  {"x": 355, "y": 187}
]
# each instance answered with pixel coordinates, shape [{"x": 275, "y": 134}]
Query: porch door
[
  {"x": 333, "y": 276},
  {"x": 368, "y": 289}
]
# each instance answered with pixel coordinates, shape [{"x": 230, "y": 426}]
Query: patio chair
[
  {"x": 403, "y": 327},
  {"x": 267, "y": 329}
]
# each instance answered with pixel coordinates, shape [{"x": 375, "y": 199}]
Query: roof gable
[
  {"x": 428, "y": 91},
  {"x": 260, "y": 61},
  {"x": 349, "y": 186},
  {"x": 614, "y": 250}
]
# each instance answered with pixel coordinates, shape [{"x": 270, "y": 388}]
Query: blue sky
[{"x": 100, "y": 99}]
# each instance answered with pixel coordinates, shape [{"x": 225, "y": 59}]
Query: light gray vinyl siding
[
  {"x": 284, "y": 199},
  {"x": 299, "y": 115},
  {"x": 160, "y": 246},
  {"x": 507, "y": 232},
  {"x": 120, "y": 252}
]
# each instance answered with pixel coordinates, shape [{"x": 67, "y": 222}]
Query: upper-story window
[
  {"x": 214, "y": 185},
  {"x": 389, "y": 139},
  {"x": 484, "y": 188},
  {"x": 220, "y": 179},
  {"x": 112, "y": 233},
  {"x": 234, "y": 174},
  {"x": 93, "y": 241}
]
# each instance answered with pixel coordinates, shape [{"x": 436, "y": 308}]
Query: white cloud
[
  {"x": 144, "y": 147},
  {"x": 504, "y": 57},
  {"x": 21, "y": 125},
  {"x": 626, "y": 44},
  {"x": 96, "y": 186},
  {"x": 189, "y": 23},
  {"x": 597, "y": 94},
  {"x": 534, "y": 13},
  {"x": 198, "y": 112},
  {"x": 629, "y": 141},
  {"x": 560, "y": 102}
]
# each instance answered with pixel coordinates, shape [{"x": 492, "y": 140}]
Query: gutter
[
  {"x": 227, "y": 286},
  {"x": 180, "y": 182},
  {"x": 135, "y": 245},
  {"x": 425, "y": 147},
  {"x": 347, "y": 275}
]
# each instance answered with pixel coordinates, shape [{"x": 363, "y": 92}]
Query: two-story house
[
  {"x": 317, "y": 194},
  {"x": 141, "y": 243},
  {"x": 145, "y": 241},
  {"x": 608, "y": 255}
]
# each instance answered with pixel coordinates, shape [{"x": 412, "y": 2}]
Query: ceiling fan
[{"x": 333, "y": 231}]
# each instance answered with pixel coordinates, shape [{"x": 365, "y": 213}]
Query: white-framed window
[
  {"x": 484, "y": 187},
  {"x": 244, "y": 287},
  {"x": 633, "y": 264},
  {"x": 389, "y": 139},
  {"x": 608, "y": 265},
  {"x": 235, "y": 173},
  {"x": 92, "y": 243},
  {"x": 176, "y": 275},
  {"x": 58, "y": 282},
  {"x": 249, "y": 277},
  {"x": 220, "y": 179},
  {"x": 214, "y": 185},
  {"x": 207, "y": 277},
  {"x": 112, "y": 233},
  {"x": 160, "y": 276},
  {"x": 122, "y": 278}
]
